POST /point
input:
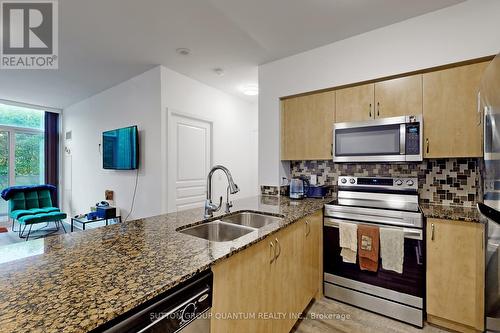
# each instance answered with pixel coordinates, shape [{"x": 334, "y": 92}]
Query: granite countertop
[
  {"x": 466, "y": 214},
  {"x": 79, "y": 281}
]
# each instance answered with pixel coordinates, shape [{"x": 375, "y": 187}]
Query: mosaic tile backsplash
[{"x": 441, "y": 181}]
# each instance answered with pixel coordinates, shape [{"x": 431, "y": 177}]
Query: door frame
[{"x": 171, "y": 113}]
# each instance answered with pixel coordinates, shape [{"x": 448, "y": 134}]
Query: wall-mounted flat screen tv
[{"x": 121, "y": 149}]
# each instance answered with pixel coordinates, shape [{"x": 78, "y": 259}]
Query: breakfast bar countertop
[
  {"x": 79, "y": 281},
  {"x": 456, "y": 213}
]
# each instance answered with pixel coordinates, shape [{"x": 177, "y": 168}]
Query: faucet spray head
[{"x": 233, "y": 187}]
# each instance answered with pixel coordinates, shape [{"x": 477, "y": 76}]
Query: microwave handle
[{"x": 402, "y": 139}]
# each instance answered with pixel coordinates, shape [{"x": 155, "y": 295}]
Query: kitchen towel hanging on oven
[
  {"x": 392, "y": 249},
  {"x": 368, "y": 244},
  {"x": 348, "y": 239}
]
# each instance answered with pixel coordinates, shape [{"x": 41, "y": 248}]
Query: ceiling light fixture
[
  {"x": 183, "y": 51},
  {"x": 219, "y": 71},
  {"x": 250, "y": 89}
]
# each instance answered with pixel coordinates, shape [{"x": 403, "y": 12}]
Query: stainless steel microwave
[{"x": 395, "y": 139}]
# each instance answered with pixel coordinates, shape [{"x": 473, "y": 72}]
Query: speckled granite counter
[
  {"x": 467, "y": 214},
  {"x": 76, "y": 282}
]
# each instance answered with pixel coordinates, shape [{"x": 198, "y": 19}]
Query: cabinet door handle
[
  {"x": 432, "y": 231},
  {"x": 273, "y": 252},
  {"x": 278, "y": 247},
  {"x": 370, "y": 110},
  {"x": 479, "y": 113},
  {"x": 378, "y": 109},
  {"x": 427, "y": 145}
]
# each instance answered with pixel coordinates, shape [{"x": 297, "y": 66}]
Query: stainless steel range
[{"x": 387, "y": 203}]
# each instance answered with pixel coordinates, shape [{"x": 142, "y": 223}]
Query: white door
[{"x": 189, "y": 161}]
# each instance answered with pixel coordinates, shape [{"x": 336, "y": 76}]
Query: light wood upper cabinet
[
  {"x": 391, "y": 98},
  {"x": 399, "y": 97},
  {"x": 455, "y": 274},
  {"x": 452, "y": 125},
  {"x": 306, "y": 127},
  {"x": 291, "y": 118},
  {"x": 446, "y": 98},
  {"x": 355, "y": 103}
]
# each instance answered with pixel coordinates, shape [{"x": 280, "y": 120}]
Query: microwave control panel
[{"x": 413, "y": 139}]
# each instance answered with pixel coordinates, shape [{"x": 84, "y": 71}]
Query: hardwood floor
[{"x": 328, "y": 316}]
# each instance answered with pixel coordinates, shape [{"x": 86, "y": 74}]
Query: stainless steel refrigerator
[{"x": 489, "y": 105}]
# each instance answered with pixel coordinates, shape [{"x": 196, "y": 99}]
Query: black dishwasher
[{"x": 183, "y": 309}]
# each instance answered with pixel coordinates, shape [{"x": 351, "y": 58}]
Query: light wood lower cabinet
[
  {"x": 312, "y": 256},
  {"x": 277, "y": 276},
  {"x": 242, "y": 284},
  {"x": 287, "y": 275},
  {"x": 455, "y": 274}
]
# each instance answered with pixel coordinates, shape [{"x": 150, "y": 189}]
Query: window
[
  {"x": 17, "y": 116},
  {"x": 22, "y": 148},
  {"x": 29, "y": 159}
]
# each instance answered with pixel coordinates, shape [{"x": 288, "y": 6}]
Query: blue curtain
[{"x": 52, "y": 153}]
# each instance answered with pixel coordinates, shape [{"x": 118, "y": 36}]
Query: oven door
[{"x": 410, "y": 282}]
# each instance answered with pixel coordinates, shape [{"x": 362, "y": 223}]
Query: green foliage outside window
[
  {"x": 4, "y": 160},
  {"x": 21, "y": 117},
  {"x": 28, "y": 154},
  {"x": 29, "y": 147}
]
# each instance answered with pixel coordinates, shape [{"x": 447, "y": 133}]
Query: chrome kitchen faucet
[{"x": 210, "y": 207}]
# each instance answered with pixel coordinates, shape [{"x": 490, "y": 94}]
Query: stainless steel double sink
[{"x": 231, "y": 227}]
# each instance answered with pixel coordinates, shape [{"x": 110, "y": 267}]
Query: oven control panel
[{"x": 397, "y": 184}]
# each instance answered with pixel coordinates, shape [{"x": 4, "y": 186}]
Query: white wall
[
  {"x": 144, "y": 101},
  {"x": 133, "y": 102},
  {"x": 234, "y": 129},
  {"x": 465, "y": 31}
]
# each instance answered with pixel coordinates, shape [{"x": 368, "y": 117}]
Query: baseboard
[{"x": 448, "y": 324}]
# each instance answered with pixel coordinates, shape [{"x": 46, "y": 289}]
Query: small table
[{"x": 84, "y": 221}]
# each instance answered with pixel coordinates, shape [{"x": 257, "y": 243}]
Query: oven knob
[
  {"x": 399, "y": 182},
  {"x": 352, "y": 180},
  {"x": 409, "y": 182},
  {"x": 343, "y": 180}
]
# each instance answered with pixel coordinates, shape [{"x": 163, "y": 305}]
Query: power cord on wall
[
  {"x": 133, "y": 197},
  {"x": 122, "y": 226}
]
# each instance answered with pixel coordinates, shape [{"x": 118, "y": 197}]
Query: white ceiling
[{"x": 104, "y": 42}]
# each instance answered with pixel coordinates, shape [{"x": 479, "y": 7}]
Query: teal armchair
[{"x": 29, "y": 205}]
